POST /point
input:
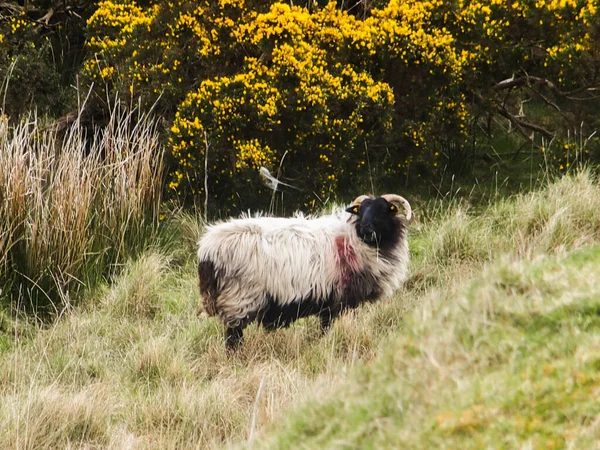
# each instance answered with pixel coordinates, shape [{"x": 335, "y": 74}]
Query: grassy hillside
[
  {"x": 509, "y": 360},
  {"x": 493, "y": 342}
]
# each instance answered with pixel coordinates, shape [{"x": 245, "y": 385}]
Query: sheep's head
[{"x": 377, "y": 220}]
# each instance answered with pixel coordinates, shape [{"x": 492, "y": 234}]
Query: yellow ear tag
[
  {"x": 393, "y": 208},
  {"x": 355, "y": 209}
]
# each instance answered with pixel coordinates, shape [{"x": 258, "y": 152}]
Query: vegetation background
[
  {"x": 332, "y": 97},
  {"x": 126, "y": 125}
]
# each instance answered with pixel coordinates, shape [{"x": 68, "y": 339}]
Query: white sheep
[{"x": 276, "y": 270}]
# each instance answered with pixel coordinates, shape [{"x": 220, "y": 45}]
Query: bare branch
[
  {"x": 529, "y": 81},
  {"x": 521, "y": 124},
  {"x": 46, "y": 18},
  {"x": 545, "y": 99},
  {"x": 553, "y": 105},
  {"x": 522, "y": 81},
  {"x": 581, "y": 99}
]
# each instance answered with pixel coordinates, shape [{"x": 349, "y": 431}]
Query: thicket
[
  {"x": 330, "y": 96},
  {"x": 42, "y": 47}
]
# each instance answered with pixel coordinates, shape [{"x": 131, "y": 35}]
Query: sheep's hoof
[
  {"x": 233, "y": 338},
  {"x": 327, "y": 318}
]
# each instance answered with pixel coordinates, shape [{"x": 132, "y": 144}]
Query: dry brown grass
[{"x": 72, "y": 205}]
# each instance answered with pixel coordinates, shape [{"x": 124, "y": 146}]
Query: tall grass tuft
[
  {"x": 563, "y": 215},
  {"x": 135, "y": 292},
  {"x": 73, "y": 204}
]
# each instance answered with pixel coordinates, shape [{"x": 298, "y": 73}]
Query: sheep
[{"x": 276, "y": 270}]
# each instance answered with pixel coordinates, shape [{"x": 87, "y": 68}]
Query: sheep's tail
[
  {"x": 207, "y": 276},
  {"x": 399, "y": 200}
]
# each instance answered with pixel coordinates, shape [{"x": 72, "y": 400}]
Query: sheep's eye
[{"x": 393, "y": 208}]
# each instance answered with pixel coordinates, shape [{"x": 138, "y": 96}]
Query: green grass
[
  {"x": 492, "y": 343},
  {"x": 510, "y": 360}
]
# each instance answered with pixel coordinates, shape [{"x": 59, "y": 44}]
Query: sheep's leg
[
  {"x": 327, "y": 315},
  {"x": 233, "y": 338},
  {"x": 325, "y": 321}
]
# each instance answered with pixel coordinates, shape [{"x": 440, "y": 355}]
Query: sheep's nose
[{"x": 367, "y": 229}]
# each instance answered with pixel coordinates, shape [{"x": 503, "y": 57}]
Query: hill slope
[
  {"x": 511, "y": 359},
  {"x": 493, "y": 342}
]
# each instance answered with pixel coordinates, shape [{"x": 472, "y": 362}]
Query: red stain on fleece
[{"x": 347, "y": 260}]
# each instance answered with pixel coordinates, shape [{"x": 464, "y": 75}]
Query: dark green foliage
[{"x": 41, "y": 50}]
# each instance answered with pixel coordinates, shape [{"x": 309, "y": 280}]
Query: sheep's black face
[{"x": 377, "y": 224}]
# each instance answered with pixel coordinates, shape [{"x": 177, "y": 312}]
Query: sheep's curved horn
[
  {"x": 398, "y": 200},
  {"x": 358, "y": 200}
]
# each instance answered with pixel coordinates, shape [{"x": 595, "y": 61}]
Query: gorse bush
[
  {"x": 306, "y": 104},
  {"x": 325, "y": 96},
  {"x": 304, "y": 87},
  {"x": 71, "y": 207}
]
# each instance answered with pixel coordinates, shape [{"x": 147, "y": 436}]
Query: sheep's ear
[{"x": 353, "y": 209}]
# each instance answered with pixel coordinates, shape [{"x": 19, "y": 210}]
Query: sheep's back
[{"x": 288, "y": 259}]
